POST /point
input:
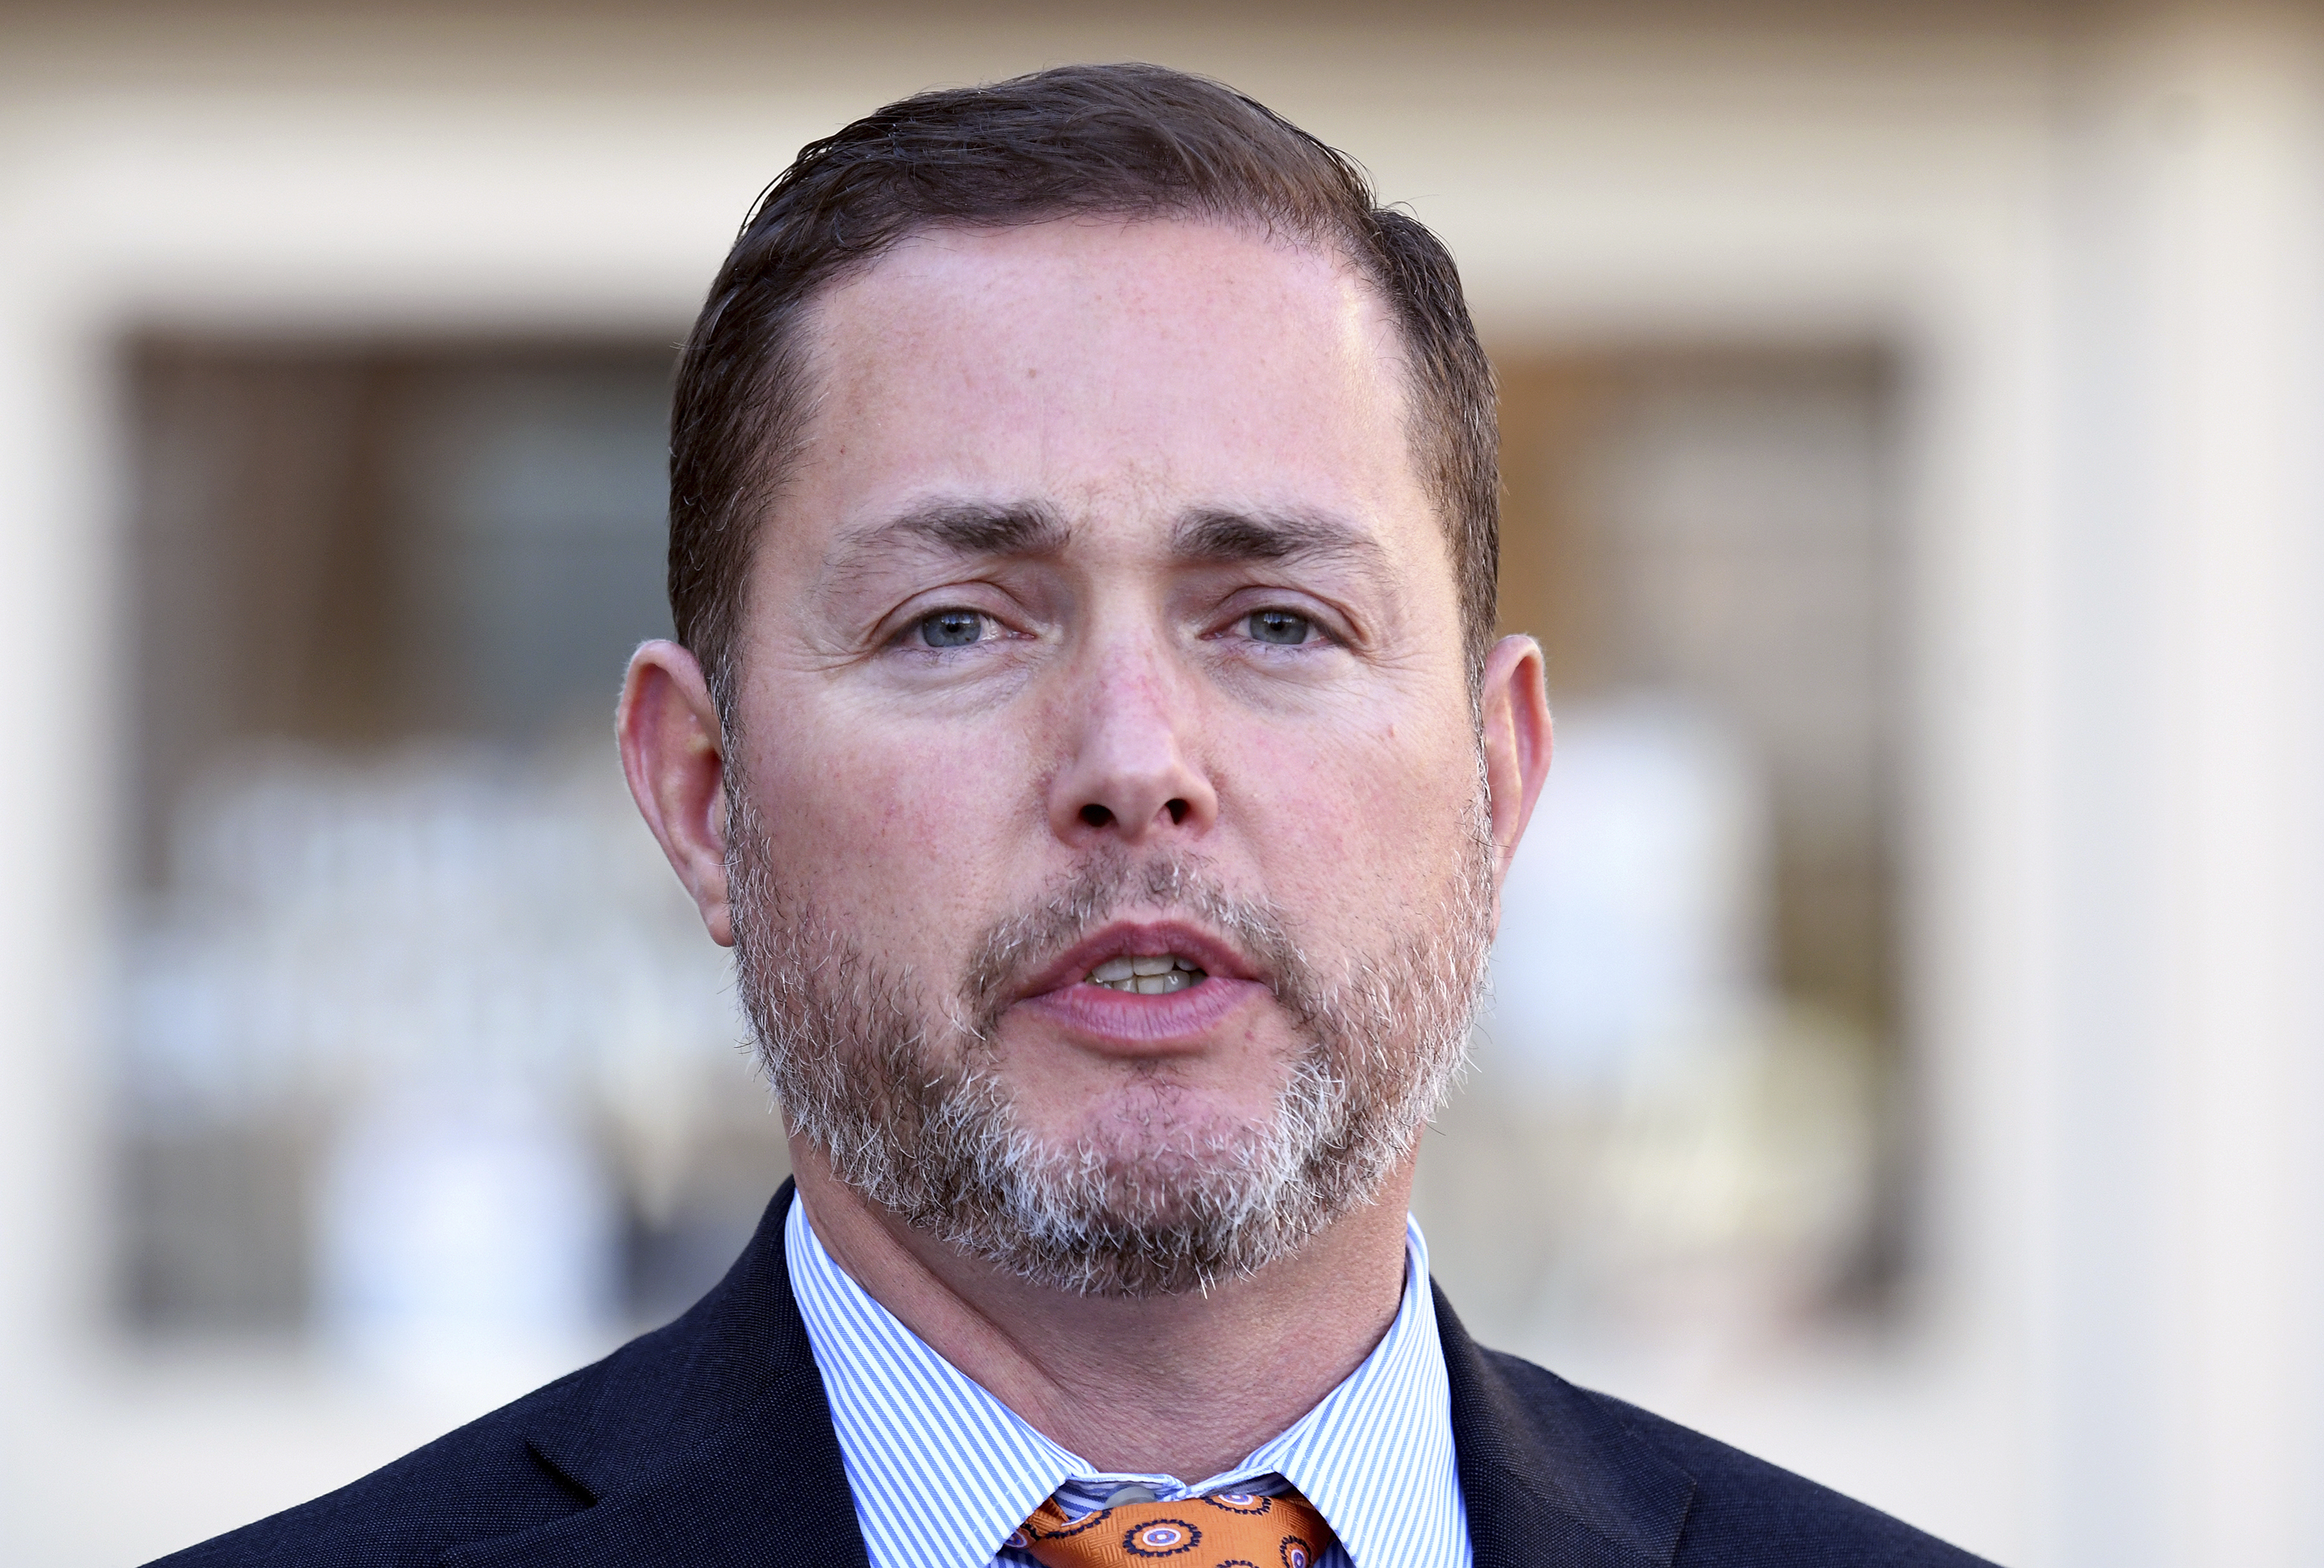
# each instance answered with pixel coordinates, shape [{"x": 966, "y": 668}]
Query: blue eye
[
  {"x": 951, "y": 628},
  {"x": 1280, "y": 626}
]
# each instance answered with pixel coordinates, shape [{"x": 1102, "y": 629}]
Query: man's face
[{"x": 1104, "y": 623}]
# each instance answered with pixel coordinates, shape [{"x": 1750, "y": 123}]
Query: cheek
[
  {"x": 897, "y": 831},
  {"x": 1356, "y": 829}
]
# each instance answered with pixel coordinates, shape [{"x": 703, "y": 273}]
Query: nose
[{"x": 1128, "y": 773}]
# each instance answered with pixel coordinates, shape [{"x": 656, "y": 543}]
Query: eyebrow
[
  {"x": 1212, "y": 536},
  {"x": 1221, "y": 537},
  {"x": 970, "y": 528}
]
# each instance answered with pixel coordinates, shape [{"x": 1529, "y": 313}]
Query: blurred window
[
  {"x": 1686, "y": 1120},
  {"x": 424, "y": 1050}
]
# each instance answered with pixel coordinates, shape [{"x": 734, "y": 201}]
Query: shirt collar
[{"x": 942, "y": 1471}]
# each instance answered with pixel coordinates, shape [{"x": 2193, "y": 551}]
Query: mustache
[{"x": 1097, "y": 892}]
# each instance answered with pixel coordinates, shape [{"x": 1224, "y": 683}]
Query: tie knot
[{"x": 1226, "y": 1530}]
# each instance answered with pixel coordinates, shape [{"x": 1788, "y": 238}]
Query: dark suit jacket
[{"x": 708, "y": 1444}]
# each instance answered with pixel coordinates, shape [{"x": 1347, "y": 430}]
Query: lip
[
  {"x": 1131, "y": 938},
  {"x": 1125, "y": 1021}
]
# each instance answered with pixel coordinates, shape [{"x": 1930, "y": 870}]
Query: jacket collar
[
  {"x": 1551, "y": 1473},
  {"x": 706, "y": 1443},
  {"x": 709, "y": 1443}
]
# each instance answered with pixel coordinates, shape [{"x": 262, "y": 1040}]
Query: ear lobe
[
  {"x": 673, "y": 755},
  {"x": 1519, "y": 739}
]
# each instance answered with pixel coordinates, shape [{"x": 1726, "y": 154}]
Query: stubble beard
[{"x": 898, "y": 1089}]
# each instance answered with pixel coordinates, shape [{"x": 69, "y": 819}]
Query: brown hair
[{"x": 1127, "y": 140}]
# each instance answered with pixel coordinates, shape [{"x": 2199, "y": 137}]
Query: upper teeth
[{"x": 1145, "y": 976}]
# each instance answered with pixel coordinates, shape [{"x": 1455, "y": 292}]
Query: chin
[
  {"x": 1168, "y": 1184},
  {"x": 1154, "y": 1197},
  {"x": 1163, "y": 1131}
]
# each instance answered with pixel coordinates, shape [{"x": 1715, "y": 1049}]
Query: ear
[
  {"x": 1518, "y": 740},
  {"x": 671, "y": 752}
]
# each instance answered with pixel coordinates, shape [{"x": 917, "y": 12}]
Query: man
[{"x": 1086, "y": 726}]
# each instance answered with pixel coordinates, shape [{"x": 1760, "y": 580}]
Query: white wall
[
  {"x": 2183, "y": 704},
  {"x": 2108, "y": 328}
]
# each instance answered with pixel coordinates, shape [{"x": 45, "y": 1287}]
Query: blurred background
[{"x": 1901, "y": 1048}]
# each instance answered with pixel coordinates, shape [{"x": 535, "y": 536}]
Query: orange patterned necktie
[{"x": 1223, "y": 1530}]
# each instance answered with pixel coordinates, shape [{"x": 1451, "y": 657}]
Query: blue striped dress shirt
[{"x": 941, "y": 1471}]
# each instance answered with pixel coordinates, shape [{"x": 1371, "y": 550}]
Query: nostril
[
  {"x": 1096, "y": 815},
  {"x": 1177, "y": 810}
]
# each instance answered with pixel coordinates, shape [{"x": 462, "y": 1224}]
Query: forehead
[{"x": 1114, "y": 369}]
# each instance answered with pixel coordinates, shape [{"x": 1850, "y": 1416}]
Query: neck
[{"x": 1185, "y": 1386}]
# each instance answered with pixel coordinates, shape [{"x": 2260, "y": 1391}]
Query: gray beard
[{"x": 898, "y": 1092}]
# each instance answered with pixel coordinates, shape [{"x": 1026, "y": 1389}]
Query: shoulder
[
  {"x": 485, "y": 1481},
  {"x": 1740, "y": 1512},
  {"x": 672, "y": 1448}
]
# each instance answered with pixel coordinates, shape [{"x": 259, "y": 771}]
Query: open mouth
[
  {"x": 1144, "y": 987},
  {"x": 1143, "y": 974}
]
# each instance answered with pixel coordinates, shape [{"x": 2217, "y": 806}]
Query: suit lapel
[
  {"x": 708, "y": 1445},
  {"x": 1551, "y": 1477}
]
